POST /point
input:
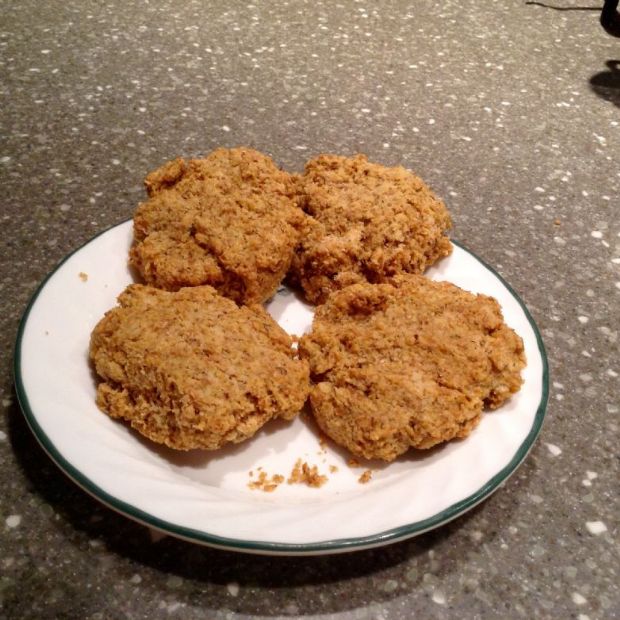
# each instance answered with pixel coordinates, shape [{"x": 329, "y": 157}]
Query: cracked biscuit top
[
  {"x": 191, "y": 369},
  {"x": 229, "y": 220},
  {"x": 368, "y": 222},
  {"x": 408, "y": 363}
]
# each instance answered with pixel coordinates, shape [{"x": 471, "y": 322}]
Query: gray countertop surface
[{"x": 509, "y": 110}]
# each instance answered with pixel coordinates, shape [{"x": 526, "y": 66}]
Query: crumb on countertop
[
  {"x": 83, "y": 276},
  {"x": 333, "y": 469}
]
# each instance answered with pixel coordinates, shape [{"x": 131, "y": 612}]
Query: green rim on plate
[{"x": 257, "y": 546}]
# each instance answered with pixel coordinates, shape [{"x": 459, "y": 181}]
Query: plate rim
[{"x": 338, "y": 545}]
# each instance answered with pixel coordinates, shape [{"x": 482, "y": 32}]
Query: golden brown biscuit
[
  {"x": 410, "y": 362},
  {"x": 229, "y": 220},
  {"x": 369, "y": 222},
  {"x": 191, "y": 369}
]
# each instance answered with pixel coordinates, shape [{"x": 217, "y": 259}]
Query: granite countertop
[{"x": 509, "y": 110}]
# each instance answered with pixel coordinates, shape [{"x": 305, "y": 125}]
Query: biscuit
[
  {"x": 191, "y": 369},
  {"x": 230, "y": 220},
  {"x": 368, "y": 222},
  {"x": 407, "y": 363}
]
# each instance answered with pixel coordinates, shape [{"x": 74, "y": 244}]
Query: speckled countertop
[{"x": 509, "y": 110}]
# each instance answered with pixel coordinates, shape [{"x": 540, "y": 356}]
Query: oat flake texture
[
  {"x": 408, "y": 363},
  {"x": 191, "y": 369}
]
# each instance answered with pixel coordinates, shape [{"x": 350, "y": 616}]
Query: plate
[{"x": 204, "y": 497}]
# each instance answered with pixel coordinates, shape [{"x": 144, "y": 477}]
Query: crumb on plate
[
  {"x": 266, "y": 483},
  {"x": 365, "y": 477},
  {"x": 303, "y": 473}
]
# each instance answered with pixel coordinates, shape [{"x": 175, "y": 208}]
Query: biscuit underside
[
  {"x": 192, "y": 370},
  {"x": 408, "y": 364}
]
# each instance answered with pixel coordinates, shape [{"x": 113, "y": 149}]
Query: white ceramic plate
[{"x": 204, "y": 497}]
